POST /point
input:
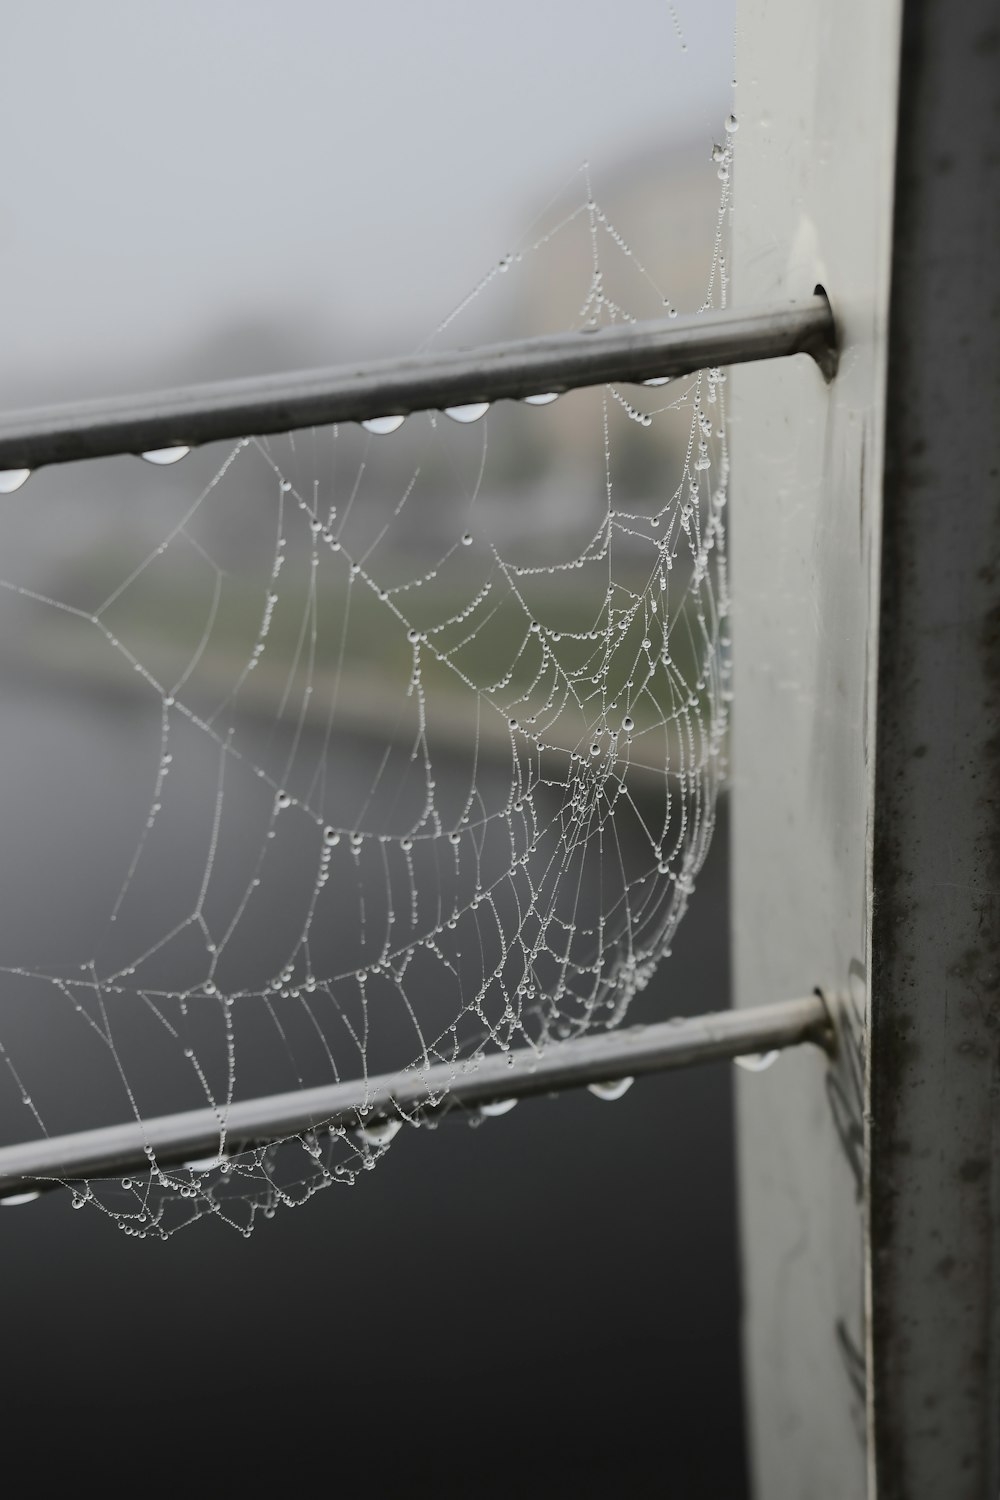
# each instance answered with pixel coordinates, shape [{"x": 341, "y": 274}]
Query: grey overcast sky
[{"x": 175, "y": 165}]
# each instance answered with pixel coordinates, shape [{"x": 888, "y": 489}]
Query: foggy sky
[{"x": 178, "y": 165}]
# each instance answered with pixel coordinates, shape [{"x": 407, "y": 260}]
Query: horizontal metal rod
[
  {"x": 312, "y": 398},
  {"x": 604, "y": 1057}
]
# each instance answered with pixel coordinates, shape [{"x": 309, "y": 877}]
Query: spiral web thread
[{"x": 362, "y": 590}]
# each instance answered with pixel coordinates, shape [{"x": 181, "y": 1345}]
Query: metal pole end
[
  {"x": 824, "y": 344},
  {"x": 826, "y": 1034}
]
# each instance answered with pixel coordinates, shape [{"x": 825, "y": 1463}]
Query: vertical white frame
[{"x": 815, "y": 150}]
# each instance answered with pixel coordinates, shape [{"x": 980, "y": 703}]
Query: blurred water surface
[{"x": 544, "y": 1305}]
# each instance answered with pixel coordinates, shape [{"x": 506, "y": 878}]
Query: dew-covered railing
[
  {"x": 608, "y": 1061},
  {"x": 175, "y": 421},
  {"x": 164, "y": 426}
]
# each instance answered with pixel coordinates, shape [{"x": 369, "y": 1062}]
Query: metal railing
[
  {"x": 231, "y": 409},
  {"x": 173, "y": 1140},
  {"x": 632, "y": 352}
]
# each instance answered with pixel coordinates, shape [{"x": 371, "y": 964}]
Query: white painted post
[{"x": 816, "y": 104}]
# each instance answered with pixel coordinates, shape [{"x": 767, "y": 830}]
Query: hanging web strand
[{"x": 429, "y": 773}]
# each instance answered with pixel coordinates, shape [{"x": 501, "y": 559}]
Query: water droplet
[
  {"x": 127, "y": 1184},
  {"x": 380, "y": 1132},
  {"x": 628, "y": 724},
  {"x": 613, "y": 1089},
  {"x": 16, "y": 1199},
  {"x": 497, "y": 1107},
  {"x": 470, "y": 413},
  {"x": 382, "y": 426},
  {"x": 595, "y": 748},
  {"x": 732, "y": 124},
  {"x": 11, "y": 480},
  {"x": 756, "y": 1062},
  {"x": 658, "y": 380},
  {"x": 331, "y": 837},
  {"x": 467, "y": 539},
  {"x": 544, "y": 399},
  {"x": 166, "y": 455}
]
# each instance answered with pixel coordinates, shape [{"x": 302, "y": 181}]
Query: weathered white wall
[{"x": 816, "y": 104}]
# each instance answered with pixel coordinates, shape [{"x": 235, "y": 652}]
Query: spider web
[{"x": 423, "y": 755}]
